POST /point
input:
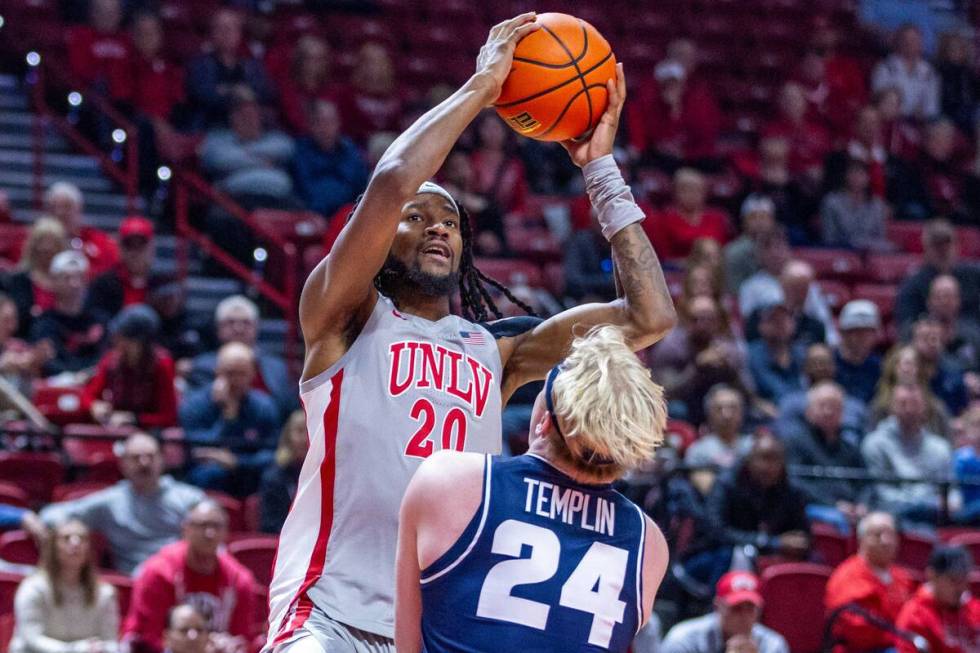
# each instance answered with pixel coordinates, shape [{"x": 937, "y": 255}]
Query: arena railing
[
  {"x": 122, "y": 165},
  {"x": 187, "y": 187}
]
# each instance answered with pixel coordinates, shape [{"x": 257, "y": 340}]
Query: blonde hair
[
  {"x": 284, "y": 451},
  {"x": 607, "y": 402},
  {"x": 50, "y": 565},
  {"x": 44, "y": 227}
]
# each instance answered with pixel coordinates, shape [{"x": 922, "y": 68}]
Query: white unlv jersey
[{"x": 405, "y": 388}]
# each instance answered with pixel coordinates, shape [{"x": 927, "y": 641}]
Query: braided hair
[{"x": 476, "y": 302}]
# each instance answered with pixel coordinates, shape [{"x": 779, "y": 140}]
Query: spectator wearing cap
[
  {"x": 824, "y": 443},
  {"x": 134, "y": 381},
  {"x": 137, "y": 515},
  {"x": 907, "y": 70},
  {"x": 328, "y": 168},
  {"x": 943, "y": 372},
  {"x": 758, "y": 219},
  {"x": 30, "y": 285},
  {"x": 212, "y": 76},
  {"x": 674, "y": 230},
  {"x": 858, "y": 367},
  {"x": 99, "y": 53},
  {"x": 198, "y": 570},
  {"x": 901, "y": 446},
  {"x": 232, "y": 426},
  {"x": 237, "y": 320},
  {"x": 734, "y": 625},
  {"x": 940, "y": 255},
  {"x": 673, "y": 122},
  {"x": 962, "y": 336},
  {"x": 76, "y": 333},
  {"x": 818, "y": 367},
  {"x": 871, "y": 580},
  {"x": 246, "y": 160},
  {"x": 64, "y": 201},
  {"x": 943, "y": 611},
  {"x": 852, "y": 217},
  {"x": 128, "y": 282},
  {"x": 775, "y": 359}
]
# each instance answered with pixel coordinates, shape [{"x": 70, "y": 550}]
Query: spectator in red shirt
[
  {"x": 64, "y": 202},
  {"x": 871, "y": 580},
  {"x": 941, "y": 182},
  {"x": 130, "y": 281},
  {"x": 197, "y": 571},
  {"x": 675, "y": 229},
  {"x": 159, "y": 83},
  {"x": 30, "y": 284},
  {"x": 835, "y": 83},
  {"x": 134, "y": 381},
  {"x": 901, "y": 136},
  {"x": 672, "y": 122},
  {"x": 373, "y": 103},
  {"x": 497, "y": 173},
  {"x": 309, "y": 80},
  {"x": 943, "y": 611},
  {"x": 809, "y": 141},
  {"x": 99, "y": 53}
]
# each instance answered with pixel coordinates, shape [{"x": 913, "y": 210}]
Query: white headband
[{"x": 432, "y": 187}]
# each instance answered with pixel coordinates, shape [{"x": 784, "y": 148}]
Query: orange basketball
[{"x": 556, "y": 89}]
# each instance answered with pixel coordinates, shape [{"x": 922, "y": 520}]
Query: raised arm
[
  {"x": 644, "y": 309},
  {"x": 340, "y": 289}
]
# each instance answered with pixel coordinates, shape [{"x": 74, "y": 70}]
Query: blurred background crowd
[{"x": 811, "y": 178}]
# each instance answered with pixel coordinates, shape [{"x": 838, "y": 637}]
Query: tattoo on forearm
[{"x": 639, "y": 270}]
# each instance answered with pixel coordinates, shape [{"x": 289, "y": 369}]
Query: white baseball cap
[
  {"x": 69, "y": 261},
  {"x": 859, "y": 314}
]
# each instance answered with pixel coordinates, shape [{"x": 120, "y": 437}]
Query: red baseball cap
[
  {"x": 739, "y": 587},
  {"x": 136, "y": 225}
]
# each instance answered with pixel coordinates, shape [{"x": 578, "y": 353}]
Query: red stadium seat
[
  {"x": 123, "y": 586},
  {"x": 61, "y": 405},
  {"x": 35, "y": 473},
  {"x": 906, "y": 235},
  {"x": 8, "y": 588},
  {"x": 12, "y": 237},
  {"x": 829, "y": 545},
  {"x": 914, "y": 550},
  {"x": 836, "y": 293},
  {"x": 892, "y": 268},
  {"x": 251, "y": 510},
  {"x": 18, "y": 547},
  {"x": 554, "y": 278},
  {"x": 793, "y": 594},
  {"x": 882, "y": 296},
  {"x": 680, "y": 435},
  {"x": 841, "y": 264},
  {"x": 76, "y": 490},
  {"x": 970, "y": 541},
  {"x": 232, "y": 506},
  {"x": 510, "y": 271},
  {"x": 257, "y": 554},
  {"x": 13, "y": 495}
]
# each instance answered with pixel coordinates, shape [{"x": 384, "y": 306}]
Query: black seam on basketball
[
  {"x": 556, "y": 66},
  {"x": 563, "y": 111},
  {"x": 581, "y": 75},
  {"x": 568, "y": 81}
]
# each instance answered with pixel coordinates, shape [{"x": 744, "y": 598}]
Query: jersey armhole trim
[
  {"x": 314, "y": 382},
  {"x": 485, "y": 508},
  {"x": 639, "y": 568}
]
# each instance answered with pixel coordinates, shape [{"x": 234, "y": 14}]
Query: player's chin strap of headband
[{"x": 588, "y": 455}]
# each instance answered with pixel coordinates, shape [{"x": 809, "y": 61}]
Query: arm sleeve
[
  {"x": 146, "y": 620},
  {"x": 166, "y": 398},
  {"x": 29, "y": 610},
  {"x": 87, "y": 509}
]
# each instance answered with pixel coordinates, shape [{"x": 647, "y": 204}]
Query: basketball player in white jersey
[
  {"x": 538, "y": 552},
  {"x": 391, "y": 376}
]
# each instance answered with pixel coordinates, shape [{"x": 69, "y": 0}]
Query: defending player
[
  {"x": 391, "y": 375},
  {"x": 538, "y": 552}
]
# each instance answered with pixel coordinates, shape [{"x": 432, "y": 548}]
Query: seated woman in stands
[
  {"x": 134, "y": 381},
  {"x": 64, "y": 607},
  {"x": 30, "y": 284}
]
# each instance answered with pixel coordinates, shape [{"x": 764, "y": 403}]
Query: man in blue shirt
[
  {"x": 775, "y": 360},
  {"x": 232, "y": 427},
  {"x": 858, "y": 367}
]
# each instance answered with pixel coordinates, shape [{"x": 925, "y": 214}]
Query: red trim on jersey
[{"x": 301, "y": 605}]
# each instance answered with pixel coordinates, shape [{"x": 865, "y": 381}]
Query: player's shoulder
[
  {"x": 446, "y": 469},
  {"x": 655, "y": 544}
]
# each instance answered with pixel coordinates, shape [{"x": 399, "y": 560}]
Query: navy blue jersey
[{"x": 546, "y": 564}]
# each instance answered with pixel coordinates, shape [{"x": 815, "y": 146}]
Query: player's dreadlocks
[{"x": 475, "y": 300}]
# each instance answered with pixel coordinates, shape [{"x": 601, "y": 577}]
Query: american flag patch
[{"x": 473, "y": 337}]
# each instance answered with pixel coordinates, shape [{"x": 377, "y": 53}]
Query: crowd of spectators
[{"x": 771, "y": 376}]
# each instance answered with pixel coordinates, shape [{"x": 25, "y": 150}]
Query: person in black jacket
[
  {"x": 754, "y": 508},
  {"x": 278, "y": 485}
]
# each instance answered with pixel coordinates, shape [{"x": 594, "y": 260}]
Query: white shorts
[{"x": 321, "y": 634}]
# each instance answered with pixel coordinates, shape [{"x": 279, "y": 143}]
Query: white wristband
[{"x": 610, "y": 196}]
